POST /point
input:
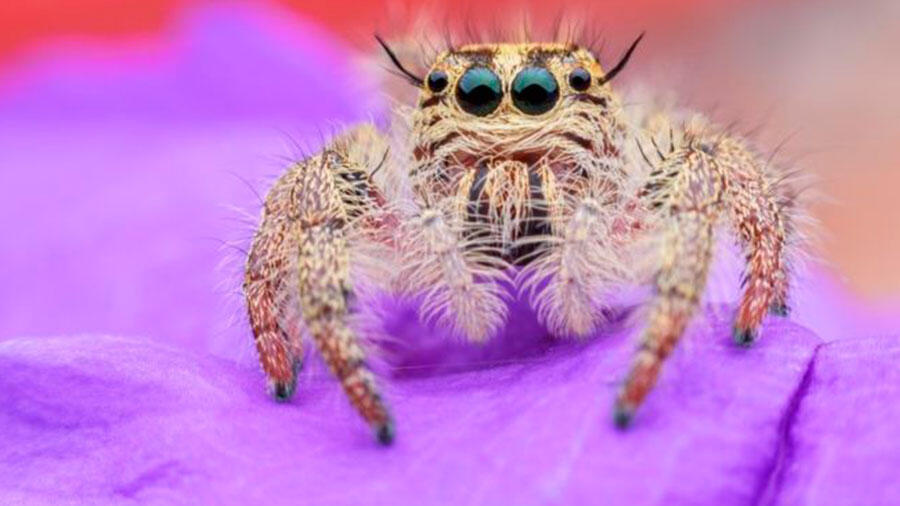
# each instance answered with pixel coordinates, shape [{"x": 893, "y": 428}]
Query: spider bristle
[
  {"x": 414, "y": 79},
  {"x": 612, "y": 73},
  {"x": 659, "y": 152},
  {"x": 643, "y": 154}
]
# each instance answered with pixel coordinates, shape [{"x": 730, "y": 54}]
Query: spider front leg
[
  {"x": 300, "y": 256},
  {"x": 691, "y": 189},
  {"x": 456, "y": 270},
  {"x": 577, "y": 261}
]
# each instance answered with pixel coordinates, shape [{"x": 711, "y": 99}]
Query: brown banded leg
[
  {"x": 765, "y": 278},
  {"x": 324, "y": 290},
  {"x": 687, "y": 191},
  {"x": 691, "y": 188},
  {"x": 780, "y": 305},
  {"x": 761, "y": 225},
  {"x": 679, "y": 285},
  {"x": 300, "y": 256},
  {"x": 278, "y": 343}
]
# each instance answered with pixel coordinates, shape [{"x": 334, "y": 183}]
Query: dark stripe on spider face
[
  {"x": 427, "y": 150},
  {"x": 585, "y": 97},
  {"x": 536, "y": 224},
  {"x": 432, "y": 101},
  {"x": 581, "y": 141}
]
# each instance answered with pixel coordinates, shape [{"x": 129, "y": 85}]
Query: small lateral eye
[
  {"x": 437, "y": 81},
  {"x": 580, "y": 79}
]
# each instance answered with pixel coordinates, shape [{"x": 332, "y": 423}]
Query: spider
[{"x": 518, "y": 170}]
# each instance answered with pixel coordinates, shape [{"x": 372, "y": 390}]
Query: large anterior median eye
[
  {"x": 535, "y": 91},
  {"x": 479, "y": 91}
]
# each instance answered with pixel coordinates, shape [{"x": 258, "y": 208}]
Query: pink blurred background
[{"x": 820, "y": 73}]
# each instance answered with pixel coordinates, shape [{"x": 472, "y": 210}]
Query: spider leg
[
  {"x": 459, "y": 276},
  {"x": 760, "y": 215},
  {"x": 277, "y": 341},
  {"x": 575, "y": 263},
  {"x": 452, "y": 261},
  {"x": 300, "y": 255},
  {"x": 690, "y": 190}
]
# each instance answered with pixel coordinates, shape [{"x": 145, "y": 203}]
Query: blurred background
[{"x": 125, "y": 126}]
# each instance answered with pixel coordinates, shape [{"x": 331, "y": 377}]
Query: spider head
[{"x": 539, "y": 104}]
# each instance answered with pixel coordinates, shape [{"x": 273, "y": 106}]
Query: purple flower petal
[
  {"x": 104, "y": 418},
  {"x": 843, "y": 444}
]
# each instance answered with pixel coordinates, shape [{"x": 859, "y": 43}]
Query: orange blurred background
[{"x": 821, "y": 72}]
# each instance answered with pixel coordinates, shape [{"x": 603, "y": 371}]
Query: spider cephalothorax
[
  {"x": 507, "y": 127},
  {"x": 524, "y": 173}
]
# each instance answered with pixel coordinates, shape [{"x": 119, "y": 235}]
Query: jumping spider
[{"x": 519, "y": 168}]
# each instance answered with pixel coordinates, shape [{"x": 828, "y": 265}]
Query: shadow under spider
[{"x": 415, "y": 349}]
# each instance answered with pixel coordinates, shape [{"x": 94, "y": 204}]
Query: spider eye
[
  {"x": 479, "y": 91},
  {"x": 580, "y": 79},
  {"x": 535, "y": 91},
  {"x": 437, "y": 81}
]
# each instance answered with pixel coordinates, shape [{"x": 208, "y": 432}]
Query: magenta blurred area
[{"x": 126, "y": 172}]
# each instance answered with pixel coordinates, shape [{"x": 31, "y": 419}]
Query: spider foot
[
  {"x": 744, "y": 337},
  {"x": 779, "y": 309},
  {"x": 384, "y": 432},
  {"x": 283, "y": 390},
  {"x": 623, "y": 414}
]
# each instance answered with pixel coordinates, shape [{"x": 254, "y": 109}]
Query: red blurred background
[
  {"x": 830, "y": 79},
  {"x": 23, "y": 22},
  {"x": 26, "y": 22}
]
